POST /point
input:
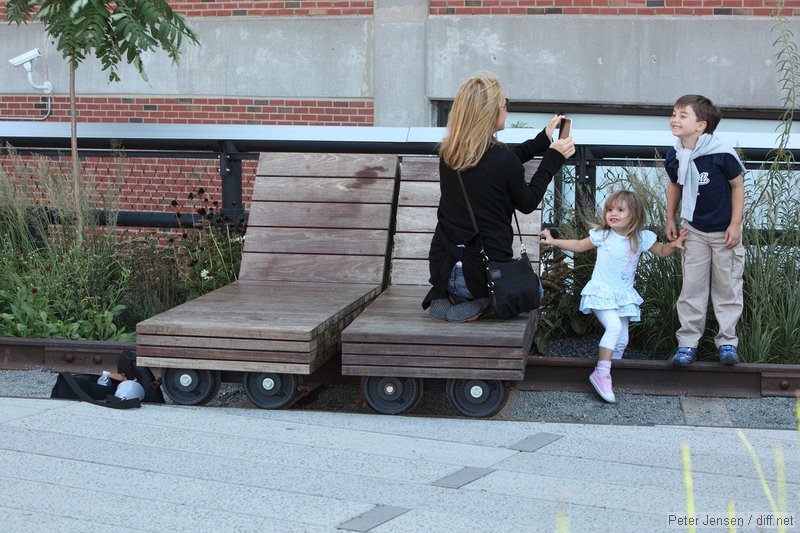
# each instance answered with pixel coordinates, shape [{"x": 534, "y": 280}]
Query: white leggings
[{"x": 616, "y": 334}]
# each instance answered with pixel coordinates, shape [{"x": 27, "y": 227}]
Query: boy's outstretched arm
[
  {"x": 573, "y": 245},
  {"x": 673, "y": 199},
  {"x": 666, "y": 250},
  {"x": 733, "y": 235}
]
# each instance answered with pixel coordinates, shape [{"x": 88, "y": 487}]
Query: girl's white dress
[{"x": 611, "y": 286}]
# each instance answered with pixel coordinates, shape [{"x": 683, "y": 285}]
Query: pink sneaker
[{"x": 602, "y": 384}]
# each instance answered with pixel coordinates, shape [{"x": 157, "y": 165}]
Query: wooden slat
[
  {"x": 410, "y": 272},
  {"x": 418, "y": 193},
  {"x": 416, "y": 220},
  {"x": 313, "y": 268},
  {"x": 318, "y": 215},
  {"x": 398, "y": 363},
  {"x": 420, "y": 168},
  {"x": 225, "y": 343},
  {"x": 430, "y": 350},
  {"x": 326, "y": 190},
  {"x": 435, "y": 373},
  {"x": 227, "y": 355},
  {"x": 317, "y": 241},
  {"x": 330, "y": 164},
  {"x": 233, "y": 366}
]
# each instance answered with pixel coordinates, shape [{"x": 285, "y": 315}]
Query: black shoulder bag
[{"x": 513, "y": 285}]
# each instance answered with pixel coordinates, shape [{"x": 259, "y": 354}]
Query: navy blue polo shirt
[{"x": 713, "y": 209}]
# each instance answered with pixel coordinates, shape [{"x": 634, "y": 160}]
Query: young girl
[{"x": 610, "y": 295}]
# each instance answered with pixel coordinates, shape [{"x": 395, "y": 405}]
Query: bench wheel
[
  {"x": 392, "y": 396},
  {"x": 477, "y": 397},
  {"x": 269, "y": 390},
  {"x": 191, "y": 387}
]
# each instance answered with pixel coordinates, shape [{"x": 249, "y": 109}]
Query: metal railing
[{"x": 231, "y": 145}]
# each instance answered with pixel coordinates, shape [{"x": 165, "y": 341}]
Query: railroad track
[{"x": 543, "y": 373}]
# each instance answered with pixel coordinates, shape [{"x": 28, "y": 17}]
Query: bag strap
[
  {"x": 522, "y": 249},
  {"x": 116, "y": 403}
]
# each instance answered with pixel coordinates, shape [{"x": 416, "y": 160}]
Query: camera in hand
[{"x": 565, "y": 128}]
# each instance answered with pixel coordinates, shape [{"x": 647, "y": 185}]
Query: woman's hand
[
  {"x": 552, "y": 125},
  {"x": 565, "y": 146}
]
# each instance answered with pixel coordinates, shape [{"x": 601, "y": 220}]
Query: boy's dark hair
[{"x": 703, "y": 108}]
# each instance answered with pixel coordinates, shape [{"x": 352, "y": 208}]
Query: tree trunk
[{"x": 76, "y": 166}]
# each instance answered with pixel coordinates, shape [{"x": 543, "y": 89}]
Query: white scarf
[{"x": 689, "y": 176}]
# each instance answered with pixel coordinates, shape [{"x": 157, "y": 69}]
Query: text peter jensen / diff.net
[{"x": 759, "y": 520}]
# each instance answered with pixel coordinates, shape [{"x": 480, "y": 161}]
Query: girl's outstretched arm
[
  {"x": 573, "y": 245},
  {"x": 666, "y": 250}
]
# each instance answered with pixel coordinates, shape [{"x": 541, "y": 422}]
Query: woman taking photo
[{"x": 493, "y": 177}]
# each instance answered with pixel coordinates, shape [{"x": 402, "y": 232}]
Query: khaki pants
[{"x": 709, "y": 266}]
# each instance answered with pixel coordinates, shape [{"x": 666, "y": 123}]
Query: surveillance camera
[{"x": 27, "y": 57}]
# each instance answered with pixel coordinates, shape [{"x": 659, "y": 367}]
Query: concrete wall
[{"x": 403, "y": 58}]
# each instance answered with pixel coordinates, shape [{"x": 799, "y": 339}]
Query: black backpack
[{"x": 71, "y": 386}]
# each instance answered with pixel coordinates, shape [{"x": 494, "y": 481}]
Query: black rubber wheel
[
  {"x": 477, "y": 397},
  {"x": 392, "y": 396},
  {"x": 191, "y": 387},
  {"x": 269, "y": 390}
]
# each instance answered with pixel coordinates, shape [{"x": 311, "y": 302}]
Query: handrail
[{"x": 231, "y": 144}]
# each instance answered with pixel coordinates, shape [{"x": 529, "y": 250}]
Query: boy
[{"x": 706, "y": 179}]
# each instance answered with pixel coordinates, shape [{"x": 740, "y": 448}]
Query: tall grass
[
  {"x": 50, "y": 284},
  {"x": 771, "y": 317}
]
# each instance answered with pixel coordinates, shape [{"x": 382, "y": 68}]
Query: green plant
[
  {"x": 563, "y": 274},
  {"x": 771, "y": 315},
  {"x": 209, "y": 252},
  {"x": 153, "y": 285},
  {"x": 52, "y": 285}
]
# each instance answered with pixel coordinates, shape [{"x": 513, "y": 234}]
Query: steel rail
[{"x": 746, "y": 380}]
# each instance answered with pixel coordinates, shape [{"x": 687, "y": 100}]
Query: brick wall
[
  {"x": 273, "y": 111},
  {"x": 131, "y": 183},
  {"x": 761, "y": 8},
  {"x": 265, "y": 8},
  {"x": 268, "y": 8}
]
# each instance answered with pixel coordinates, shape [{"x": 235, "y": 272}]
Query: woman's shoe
[
  {"x": 439, "y": 308},
  {"x": 467, "y": 311}
]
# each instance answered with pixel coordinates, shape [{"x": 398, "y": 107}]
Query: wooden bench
[
  {"x": 314, "y": 256},
  {"x": 394, "y": 344}
]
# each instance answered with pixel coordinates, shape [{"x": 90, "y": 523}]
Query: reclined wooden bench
[
  {"x": 315, "y": 254},
  {"x": 394, "y": 343}
]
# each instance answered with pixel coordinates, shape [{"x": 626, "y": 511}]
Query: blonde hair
[
  {"x": 636, "y": 215},
  {"x": 472, "y": 122}
]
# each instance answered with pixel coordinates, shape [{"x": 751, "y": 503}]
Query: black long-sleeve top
[{"x": 496, "y": 187}]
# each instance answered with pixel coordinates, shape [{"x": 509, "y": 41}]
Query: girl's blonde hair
[
  {"x": 636, "y": 216},
  {"x": 472, "y": 122}
]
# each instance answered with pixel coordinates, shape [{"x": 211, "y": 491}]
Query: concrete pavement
[{"x": 69, "y": 466}]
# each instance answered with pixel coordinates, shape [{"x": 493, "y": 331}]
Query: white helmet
[{"x": 129, "y": 389}]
